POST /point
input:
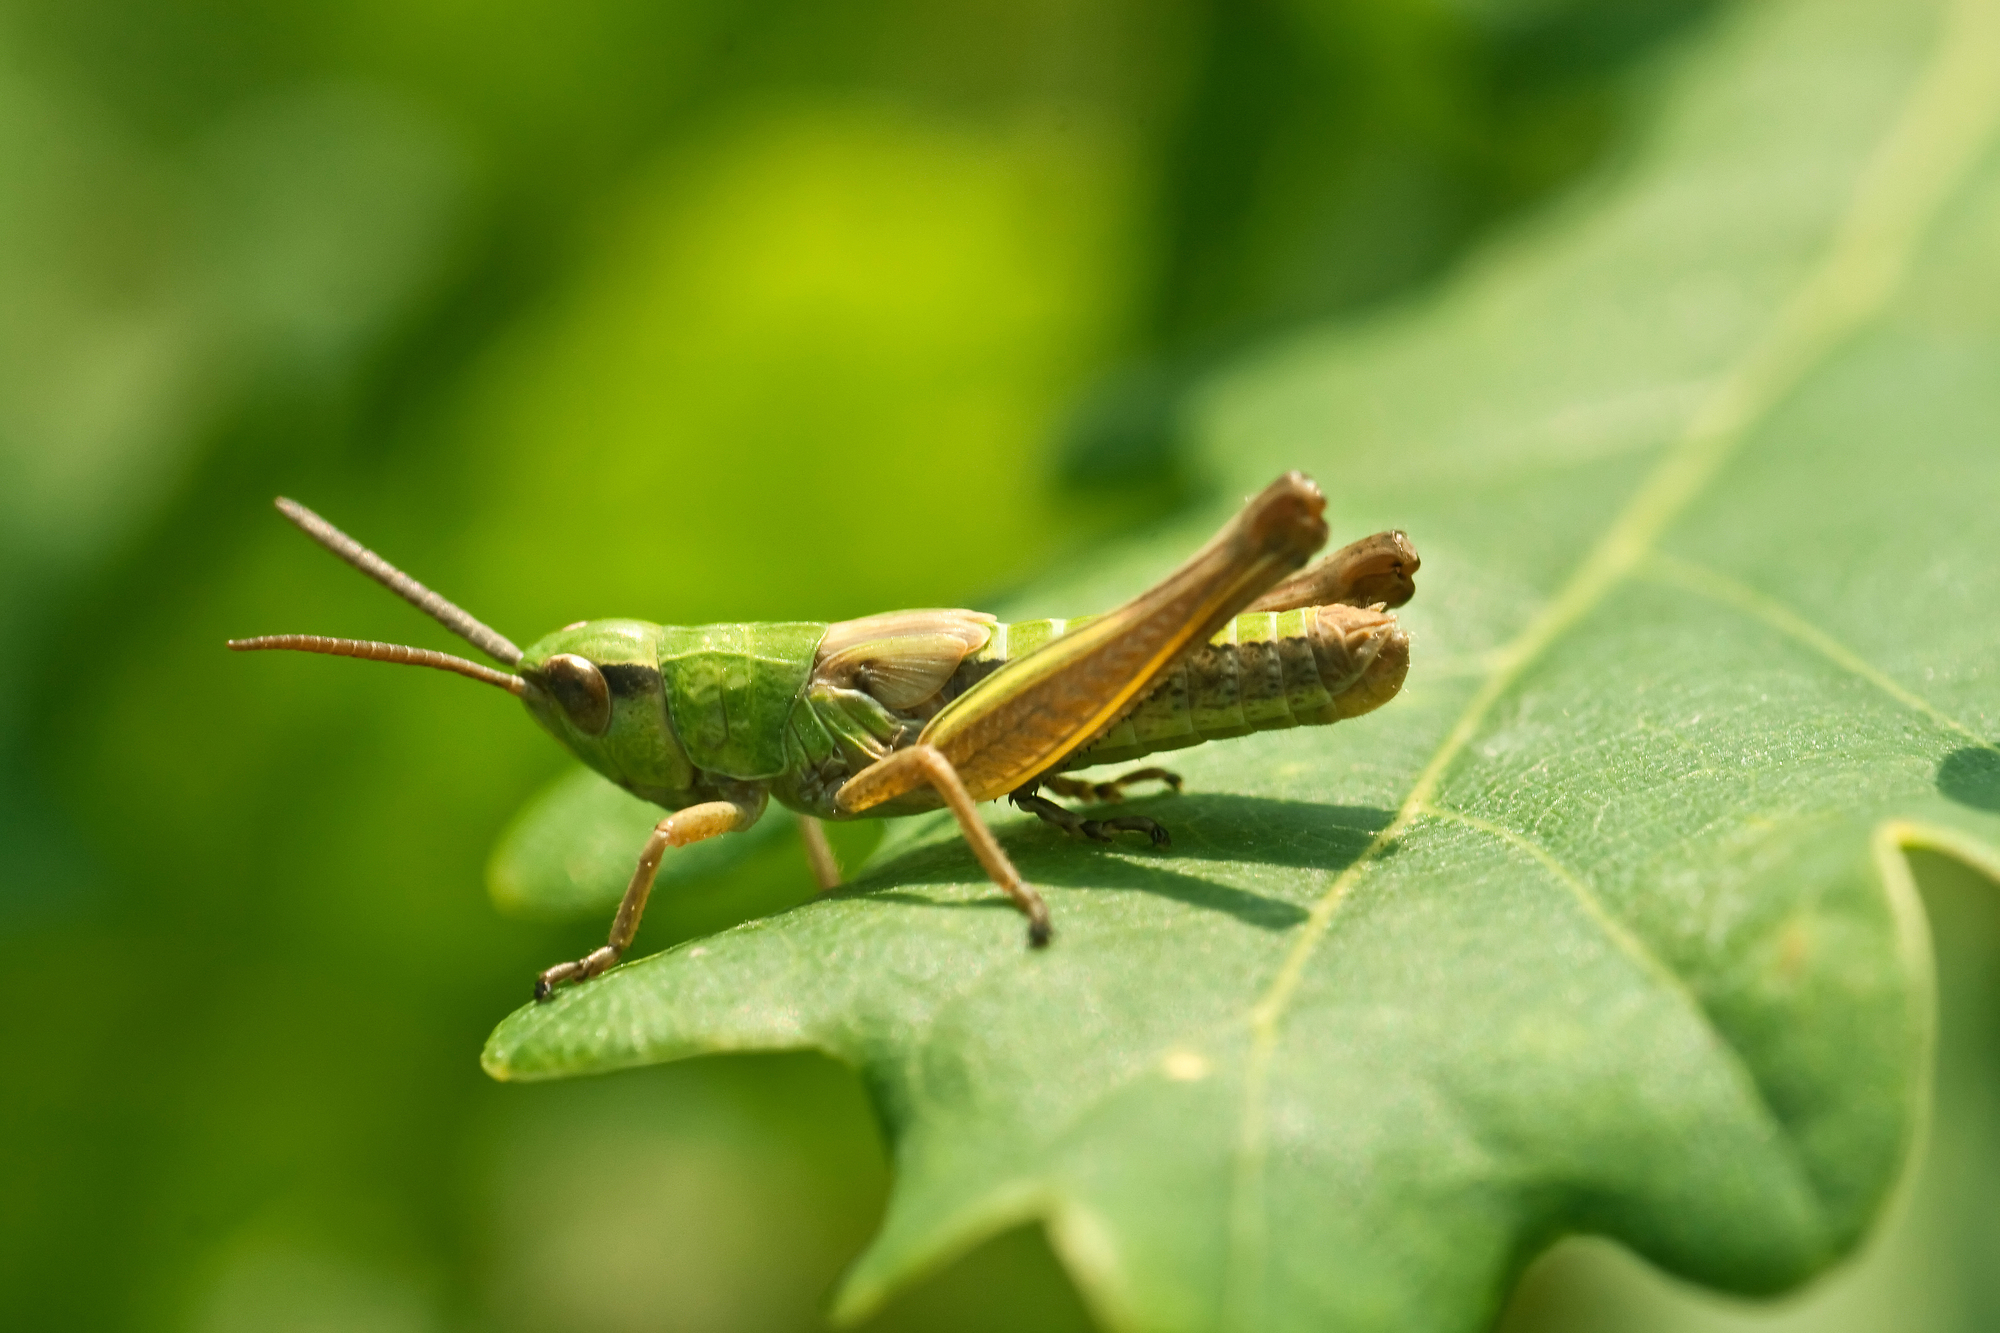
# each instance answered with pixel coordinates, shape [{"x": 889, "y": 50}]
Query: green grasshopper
[{"x": 901, "y": 713}]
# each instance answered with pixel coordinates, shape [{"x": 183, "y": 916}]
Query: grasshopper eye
[{"x": 579, "y": 687}]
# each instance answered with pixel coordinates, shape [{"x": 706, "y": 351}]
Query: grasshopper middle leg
[
  {"x": 925, "y": 765},
  {"x": 825, "y": 868}
]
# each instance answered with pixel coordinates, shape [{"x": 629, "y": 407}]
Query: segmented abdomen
[{"x": 1263, "y": 671}]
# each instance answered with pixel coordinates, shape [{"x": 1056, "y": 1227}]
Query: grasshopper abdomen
[{"x": 1263, "y": 671}]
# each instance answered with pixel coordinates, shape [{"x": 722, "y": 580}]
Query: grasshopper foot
[
  {"x": 583, "y": 969},
  {"x": 1095, "y": 828}
]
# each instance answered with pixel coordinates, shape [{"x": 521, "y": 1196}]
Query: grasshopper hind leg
[
  {"x": 1097, "y": 830},
  {"x": 1078, "y": 789}
]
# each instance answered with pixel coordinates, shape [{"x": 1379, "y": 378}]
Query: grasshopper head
[{"x": 595, "y": 686}]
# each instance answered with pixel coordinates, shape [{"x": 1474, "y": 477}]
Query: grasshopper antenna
[
  {"x": 384, "y": 652},
  {"x": 495, "y": 645}
]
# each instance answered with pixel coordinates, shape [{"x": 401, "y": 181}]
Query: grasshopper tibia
[
  {"x": 925, "y": 765},
  {"x": 819, "y": 852}
]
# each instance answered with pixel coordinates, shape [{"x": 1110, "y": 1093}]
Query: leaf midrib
[{"x": 1934, "y": 141}]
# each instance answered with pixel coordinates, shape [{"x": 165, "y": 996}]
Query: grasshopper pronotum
[{"x": 901, "y": 713}]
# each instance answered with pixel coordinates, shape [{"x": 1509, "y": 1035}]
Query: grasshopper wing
[{"x": 902, "y": 658}]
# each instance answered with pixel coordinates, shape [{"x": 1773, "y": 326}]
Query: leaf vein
[
  {"x": 1627, "y": 942},
  {"x": 1690, "y": 576}
]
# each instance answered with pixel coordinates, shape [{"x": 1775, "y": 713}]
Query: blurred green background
[{"x": 690, "y": 312}]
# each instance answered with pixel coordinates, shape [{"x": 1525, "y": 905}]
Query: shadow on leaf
[
  {"x": 1218, "y": 828},
  {"x": 1971, "y": 776}
]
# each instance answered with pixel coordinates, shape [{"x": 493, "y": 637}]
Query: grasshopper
[{"x": 905, "y": 712}]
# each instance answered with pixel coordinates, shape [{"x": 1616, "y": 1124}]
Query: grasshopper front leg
[
  {"x": 694, "y": 824},
  {"x": 1005, "y": 732}
]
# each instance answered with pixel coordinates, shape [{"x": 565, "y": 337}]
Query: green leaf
[{"x": 1604, "y": 925}]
